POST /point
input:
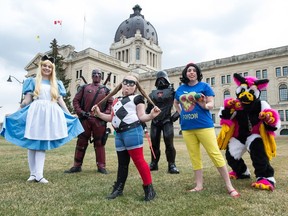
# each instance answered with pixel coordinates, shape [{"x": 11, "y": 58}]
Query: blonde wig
[{"x": 53, "y": 81}]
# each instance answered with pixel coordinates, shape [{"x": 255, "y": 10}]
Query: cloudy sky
[{"x": 188, "y": 30}]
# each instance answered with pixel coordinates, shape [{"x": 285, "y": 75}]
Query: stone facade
[
  {"x": 217, "y": 70},
  {"x": 264, "y": 62},
  {"x": 136, "y": 50}
]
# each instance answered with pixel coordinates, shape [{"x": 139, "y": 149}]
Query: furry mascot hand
[
  {"x": 230, "y": 106},
  {"x": 269, "y": 117}
]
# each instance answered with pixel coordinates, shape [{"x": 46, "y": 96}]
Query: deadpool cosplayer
[
  {"x": 94, "y": 128},
  {"x": 163, "y": 98}
]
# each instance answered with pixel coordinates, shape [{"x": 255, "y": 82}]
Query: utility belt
[
  {"x": 161, "y": 122},
  {"x": 127, "y": 127}
]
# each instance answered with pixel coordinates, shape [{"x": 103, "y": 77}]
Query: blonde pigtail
[
  {"x": 112, "y": 93},
  {"x": 144, "y": 94}
]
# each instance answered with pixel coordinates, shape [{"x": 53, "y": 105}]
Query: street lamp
[{"x": 10, "y": 80}]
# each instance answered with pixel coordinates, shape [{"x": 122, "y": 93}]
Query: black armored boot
[
  {"x": 117, "y": 190},
  {"x": 172, "y": 169},
  {"x": 153, "y": 166},
  {"x": 149, "y": 192}
]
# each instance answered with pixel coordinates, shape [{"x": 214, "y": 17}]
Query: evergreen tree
[{"x": 60, "y": 72}]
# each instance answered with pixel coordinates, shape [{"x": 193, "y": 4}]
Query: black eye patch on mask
[{"x": 129, "y": 82}]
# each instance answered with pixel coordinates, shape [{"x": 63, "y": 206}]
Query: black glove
[
  {"x": 85, "y": 115},
  {"x": 175, "y": 116}
]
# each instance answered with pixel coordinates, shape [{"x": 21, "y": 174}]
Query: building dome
[{"x": 136, "y": 22}]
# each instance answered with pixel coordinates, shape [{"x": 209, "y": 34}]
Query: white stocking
[
  {"x": 39, "y": 159},
  {"x": 31, "y": 162}
]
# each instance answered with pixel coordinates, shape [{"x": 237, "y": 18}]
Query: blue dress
[{"x": 42, "y": 125}]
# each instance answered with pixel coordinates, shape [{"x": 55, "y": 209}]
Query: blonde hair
[
  {"x": 53, "y": 81},
  {"x": 119, "y": 87}
]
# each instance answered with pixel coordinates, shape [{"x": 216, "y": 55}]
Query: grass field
[{"x": 84, "y": 193}]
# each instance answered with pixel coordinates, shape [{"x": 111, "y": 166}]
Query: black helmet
[{"x": 162, "y": 80}]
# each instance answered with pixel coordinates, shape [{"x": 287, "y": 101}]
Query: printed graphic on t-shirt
[{"x": 189, "y": 100}]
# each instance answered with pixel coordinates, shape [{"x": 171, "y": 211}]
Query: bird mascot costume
[{"x": 248, "y": 124}]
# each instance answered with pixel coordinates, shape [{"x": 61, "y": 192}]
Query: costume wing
[
  {"x": 269, "y": 142},
  {"x": 224, "y": 136}
]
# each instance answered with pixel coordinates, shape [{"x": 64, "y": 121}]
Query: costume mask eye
[
  {"x": 242, "y": 88},
  {"x": 96, "y": 74},
  {"x": 254, "y": 91},
  {"x": 130, "y": 83}
]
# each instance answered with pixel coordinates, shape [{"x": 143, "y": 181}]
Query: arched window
[
  {"x": 226, "y": 94},
  {"x": 283, "y": 92},
  {"x": 284, "y": 132}
]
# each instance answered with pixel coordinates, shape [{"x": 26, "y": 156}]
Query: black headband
[{"x": 45, "y": 57}]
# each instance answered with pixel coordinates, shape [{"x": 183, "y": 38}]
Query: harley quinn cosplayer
[{"x": 128, "y": 111}]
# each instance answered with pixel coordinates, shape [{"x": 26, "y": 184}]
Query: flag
[{"x": 57, "y": 22}]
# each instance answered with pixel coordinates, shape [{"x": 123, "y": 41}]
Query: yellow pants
[{"x": 207, "y": 137}]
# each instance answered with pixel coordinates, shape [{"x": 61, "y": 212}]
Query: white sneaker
[
  {"x": 32, "y": 178},
  {"x": 43, "y": 181}
]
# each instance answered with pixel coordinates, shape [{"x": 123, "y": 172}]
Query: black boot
[
  {"x": 149, "y": 192},
  {"x": 153, "y": 166},
  {"x": 117, "y": 191},
  {"x": 172, "y": 168},
  {"x": 73, "y": 170}
]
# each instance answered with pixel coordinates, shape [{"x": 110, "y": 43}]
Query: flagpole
[{"x": 83, "y": 36}]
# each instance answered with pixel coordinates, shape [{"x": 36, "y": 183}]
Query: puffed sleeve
[
  {"x": 61, "y": 88},
  {"x": 28, "y": 86},
  {"x": 139, "y": 99}
]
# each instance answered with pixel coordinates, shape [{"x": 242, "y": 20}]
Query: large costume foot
[
  {"x": 263, "y": 184},
  {"x": 233, "y": 175},
  {"x": 73, "y": 170},
  {"x": 172, "y": 169}
]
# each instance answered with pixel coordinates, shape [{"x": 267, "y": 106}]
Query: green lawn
[{"x": 84, "y": 193}]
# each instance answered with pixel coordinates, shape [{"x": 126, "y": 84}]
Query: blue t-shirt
[{"x": 195, "y": 117}]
